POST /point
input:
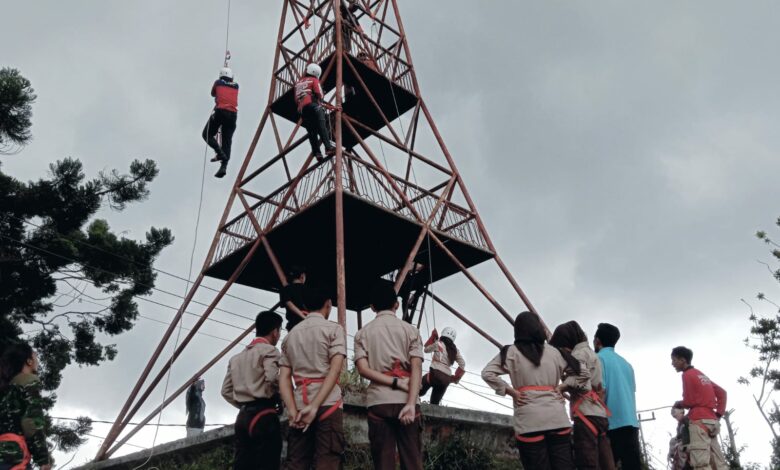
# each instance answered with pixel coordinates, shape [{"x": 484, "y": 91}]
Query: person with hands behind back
[
  {"x": 312, "y": 358},
  {"x": 388, "y": 352}
]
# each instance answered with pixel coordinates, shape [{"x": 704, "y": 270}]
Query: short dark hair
[
  {"x": 314, "y": 298},
  {"x": 383, "y": 296},
  {"x": 13, "y": 359},
  {"x": 266, "y": 322},
  {"x": 608, "y": 335},
  {"x": 683, "y": 352},
  {"x": 295, "y": 272}
]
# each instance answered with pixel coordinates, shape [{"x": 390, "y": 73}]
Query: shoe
[
  {"x": 330, "y": 151},
  {"x": 222, "y": 170},
  {"x": 319, "y": 157}
]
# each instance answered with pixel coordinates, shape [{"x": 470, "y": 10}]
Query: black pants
[
  {"x": 625, "y": 447},
  {"x": 552, "y": 452},
  {"x": 258, "y": 441},
  {"x": 385, "y": 433},
  {"x": 316, "y": 124},
  {"x": 592, "y": 451},
  {"x": 437, "y": 380},
  {"x": 322, "y": 444},
  {"x": 226, "y": 122}
]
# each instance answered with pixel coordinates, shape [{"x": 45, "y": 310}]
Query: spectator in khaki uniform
[
  {"x": 312, "y": 357},
  {"x": 541, "y": 426},
  {"x": 388, "y": 352},
  {"x": 592, "y": 450},
  {"x": 251, "y": 384},
  {"x": 706, "y": 403}
]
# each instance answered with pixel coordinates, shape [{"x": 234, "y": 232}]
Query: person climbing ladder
[
  {"x": 223, "y": 118},
  {"x": 308, "y": 98},
  {"x": 445, "y": 354}
]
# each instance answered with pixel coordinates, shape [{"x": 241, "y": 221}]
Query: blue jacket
[{"x": 621, "y": 388}]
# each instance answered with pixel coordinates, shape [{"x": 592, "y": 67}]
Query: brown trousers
[
  {"x": 551, "y": 452},
  {"x": 592, "y": 451},
  {"x": 321, "y": 447},
  {"x": 385, "y": 432}
]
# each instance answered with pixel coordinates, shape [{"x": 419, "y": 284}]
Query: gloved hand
[
  {"x": 434, "y": 336},
  {"x": 459, "y": 373}
]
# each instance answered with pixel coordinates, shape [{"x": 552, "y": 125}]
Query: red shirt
[
  {"x": 307, "y": 91},
  {"x": 702, "y": 396},
  {"x": 225, "y": 95}
]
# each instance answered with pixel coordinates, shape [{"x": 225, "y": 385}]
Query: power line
[{"x": 101, "y": 421}]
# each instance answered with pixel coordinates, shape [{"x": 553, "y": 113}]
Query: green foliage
[
  {"x": 456, "y": 453},
  {"x": 16, "y": 99},
  {"x": 350, "y": 381}
]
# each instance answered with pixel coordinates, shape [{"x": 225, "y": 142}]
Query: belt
[
  {"x": 540, "y": 437},
  {"x": 19, "y": 440},
  {"x": 397, "y": 371},
  {"x": 596, "y": 398},
  {"x": 303, "y": 383}
]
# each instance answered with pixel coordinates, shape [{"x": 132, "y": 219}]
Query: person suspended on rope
[
  {"x": 541, "y": 426},
  {"x": 349, "y": 22},
  {"x": 291, "y": 296},
  {"x": 196, "y": 408},
  {"x": 309, "y": 97},
  {"x": 388, "y": 352},
  {"x": 223, "y": 118},
  {"x": 252, "y": 385},
  {"x": 22, "y": 421},
  {"x": 445, "y": 354},
  {"x": 583, "y": 382},
  {"x": 677, "y": 457},
  {"x": 313, "y": 355}
]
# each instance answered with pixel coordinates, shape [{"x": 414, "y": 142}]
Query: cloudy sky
[{"x": 622, "y": 155}]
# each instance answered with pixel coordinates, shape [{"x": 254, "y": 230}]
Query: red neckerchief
[{"x": 258, "y": 340}]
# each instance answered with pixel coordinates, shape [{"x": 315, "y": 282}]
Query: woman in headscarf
[
  {"x": 583, "y": 381},
  {"x": 445, "y": 354},
  {"x": 22, "y": 438},
  {"x": 542, "y": 429}
]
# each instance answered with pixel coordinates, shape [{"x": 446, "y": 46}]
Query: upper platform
[
  {"x": 379, "y": 234},
  {"x": 387, "y": 77}
]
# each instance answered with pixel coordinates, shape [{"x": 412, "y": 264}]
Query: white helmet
[
  {"x": 226, "y": 72},
  {"x": 448, "y": 333},
  {"x": 314, "y": 70}
]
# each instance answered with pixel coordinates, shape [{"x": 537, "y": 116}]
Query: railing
[
  {"x": 361, "y": 179},
  {"x": 387, "y": 62}
]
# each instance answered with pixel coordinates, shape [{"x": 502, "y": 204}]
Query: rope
[{"x": 227, "y": 35}]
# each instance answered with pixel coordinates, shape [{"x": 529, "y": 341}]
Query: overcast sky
[{"x": 622, "y": 155}]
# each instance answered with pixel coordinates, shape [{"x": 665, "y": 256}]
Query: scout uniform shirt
[
  {"x": 307, "y": 350},
  {"x": 545, "y": 409},
  {"x": 441, "y": 360},
  {"x": 589, "y": 379},
  {"x": 387, "y": 342},
  {"x": 253, "y": 373}
]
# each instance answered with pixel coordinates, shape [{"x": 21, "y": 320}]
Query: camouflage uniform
[{"x": 21, "y": 413}]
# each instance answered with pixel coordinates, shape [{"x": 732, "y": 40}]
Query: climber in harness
[
  {"x": 313, "y": 355},
  {"x": 222, "y": 119},
  {"x": 252, "y": 385},
  {"x": 22, "y": 438},
  {"x": 541, "y": 426},
  {"x": 445, "y": 354},
  {"x": 309, "y": 99},
  {"x": 583, "y": 382},
  {"x": 196, "y": 408},
  {"x": 388, "y": 352},
  {"x": 706, "y": 404}
]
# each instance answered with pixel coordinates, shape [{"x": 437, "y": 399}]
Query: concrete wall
[{"x": 487, "y": 432}]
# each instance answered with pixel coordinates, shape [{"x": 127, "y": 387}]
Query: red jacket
[
  {"x": 703, "y": 397},
  {"x": 307, "y": 91},
  {"x": 225, "y": 95}
]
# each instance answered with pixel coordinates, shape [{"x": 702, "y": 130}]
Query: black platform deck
[
  {"x": 377, "y": 242},
  {"x": 358, "y": 106}
]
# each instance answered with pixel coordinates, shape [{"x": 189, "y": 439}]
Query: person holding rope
[
  {"x": 583, "y": 381},
  {"x": 22, "y": 421},
  {"x": 388, "y": 352},
  {"x": 252, "y": 385},
  {"x": 312, "y": 357},
  {"x": 223, "y": 118},
  {"x": 309, "y": 99},
  {"x": 541, "y": 426},
  {"x": 445, "y": 354},
  {"x": 291, "y": 296}
]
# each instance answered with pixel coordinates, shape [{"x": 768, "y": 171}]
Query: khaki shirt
[
  {"x": 588, "y": 379},
  {"x": 383, "y": 341},
  {"x": 308, "y": 350},
  {"x": 441, "y": 360},
  {"x": 253, "y": 373},
  {"x": 546, "y": 409}
]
